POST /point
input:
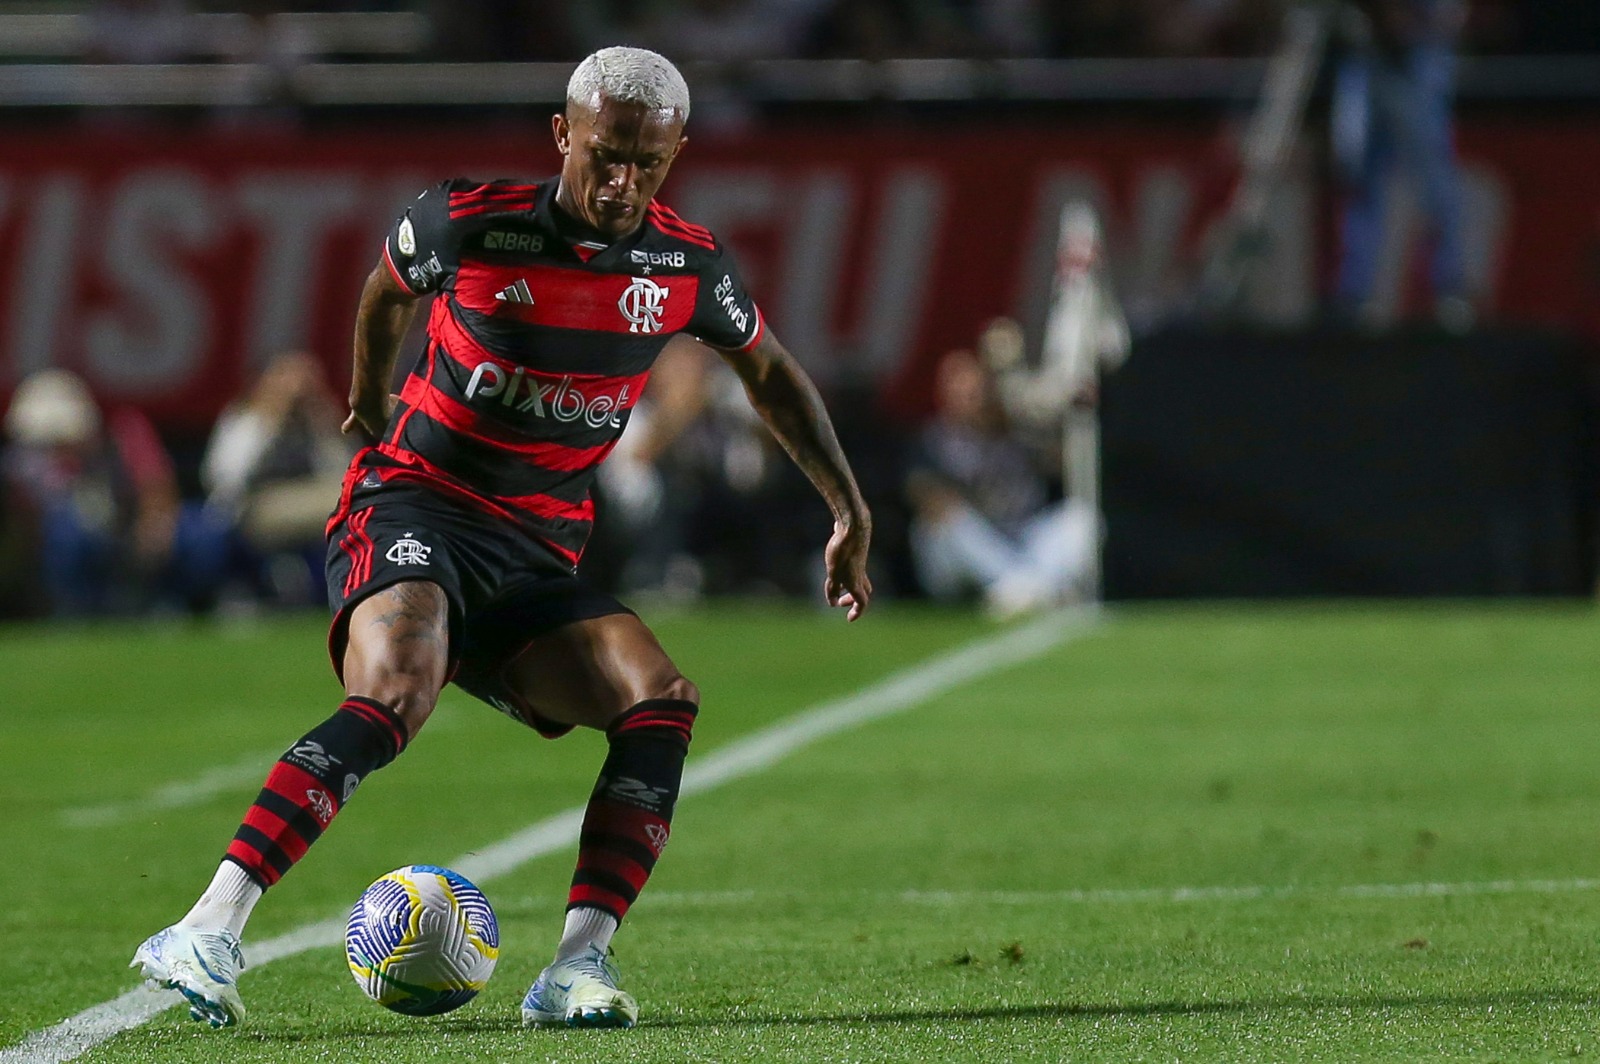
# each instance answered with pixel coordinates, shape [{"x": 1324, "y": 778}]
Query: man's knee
[
  {"x": 411, "y": 694},
  {"x": 678, "y": 689}
]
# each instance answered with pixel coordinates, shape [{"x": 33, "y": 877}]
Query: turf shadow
[
  {"x": 1357, "y": 1002},
  {"x": 1354, "y": 1002}
]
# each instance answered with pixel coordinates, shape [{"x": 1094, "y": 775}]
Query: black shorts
[{"x": 504, "y": 588}]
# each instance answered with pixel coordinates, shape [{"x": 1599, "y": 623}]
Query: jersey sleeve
[
  {"x": 724, "y": 315},
  {"x": 421, "y": 245}
]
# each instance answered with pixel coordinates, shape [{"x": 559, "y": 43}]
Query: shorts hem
[{"x": 339, "y": 627}]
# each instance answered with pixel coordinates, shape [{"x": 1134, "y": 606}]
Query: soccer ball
[{"x": 422, "y": 940}]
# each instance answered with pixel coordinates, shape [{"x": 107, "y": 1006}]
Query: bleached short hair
[{"x": 631, "y": 75}]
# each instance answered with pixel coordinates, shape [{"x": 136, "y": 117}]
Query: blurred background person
[
  {"x": 699, "y": 498},
  {"x": 982, "y": 520},
  {"x": 1392, "y": 101},
  {"x": 114, "y": 536},
  {"x": 646, "y": 548},
  {"x": 273, "y": 468}
]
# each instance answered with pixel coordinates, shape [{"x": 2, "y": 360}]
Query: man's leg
[
  {"x": 1059, "y": 544},
  {"x": 1360, "y": 127},
  {"x": 395, "y": 662},
  {"x": 611, "y": 674},
  {"x": 956, "y": 549}
]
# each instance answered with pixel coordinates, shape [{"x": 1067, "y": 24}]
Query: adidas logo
[{"x": 515, "y": 293}]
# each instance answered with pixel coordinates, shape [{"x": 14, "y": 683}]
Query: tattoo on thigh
[{"x": 413, "y": 613}]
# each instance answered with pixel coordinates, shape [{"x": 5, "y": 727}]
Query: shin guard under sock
[
  {"x": 310, "y": 784},
  {"x": 629, "y": 817}
]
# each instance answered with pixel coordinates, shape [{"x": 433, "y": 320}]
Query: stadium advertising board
[{"x": 165, "y": 266}]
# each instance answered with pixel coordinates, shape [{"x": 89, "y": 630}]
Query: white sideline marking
[
  {"x": 239, "y": 774},
  {"x": 904, "y": 690}
]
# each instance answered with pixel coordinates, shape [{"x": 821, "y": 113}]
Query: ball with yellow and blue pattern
[{"x": 422, "y": 940}]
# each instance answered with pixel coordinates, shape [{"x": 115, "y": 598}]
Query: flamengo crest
[
  {"x": 643, "y": 303},
  {"x": 408, "y": 551}
]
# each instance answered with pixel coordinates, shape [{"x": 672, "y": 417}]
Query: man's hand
[
  {"x": 368, "y": 420},
  {"x": 847, "y": 585}
]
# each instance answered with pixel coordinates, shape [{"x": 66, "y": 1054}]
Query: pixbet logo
[{"x": 560, "y": 400}]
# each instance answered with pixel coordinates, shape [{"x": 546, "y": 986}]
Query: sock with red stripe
[
  {"x": 629, "y": 817},
  {"x": 310, "y": 784}
]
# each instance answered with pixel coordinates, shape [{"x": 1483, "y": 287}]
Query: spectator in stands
[
  {"x": 1393, "y": 94},
  {"x": 114, "y": 535},
  {"x": 982, "y": 520},
  {"x": 273, "y": 467},
  {"x": 697, "y": 495}
]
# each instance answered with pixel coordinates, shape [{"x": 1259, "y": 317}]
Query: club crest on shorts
[{"x": 407, "y": 551}]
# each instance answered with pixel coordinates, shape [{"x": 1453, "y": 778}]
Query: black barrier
[{"x": 1332, "y": 463}]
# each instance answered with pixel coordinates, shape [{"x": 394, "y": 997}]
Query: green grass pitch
[{"x": 1231, "y": 833}]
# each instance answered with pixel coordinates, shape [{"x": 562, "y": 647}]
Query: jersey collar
[{"x": 569, "y": 230}]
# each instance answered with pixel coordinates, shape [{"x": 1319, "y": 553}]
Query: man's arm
[
  {"x": 382, "y": 319},
  {"x": 788, "y": 402}
]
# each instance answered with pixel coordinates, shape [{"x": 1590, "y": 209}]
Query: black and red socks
[
  {"x": 629, "y": 816},
  {"x": 310, "y": 784}
]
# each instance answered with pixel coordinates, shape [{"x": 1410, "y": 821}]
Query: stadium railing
[{"x": 1221, "y": 80}]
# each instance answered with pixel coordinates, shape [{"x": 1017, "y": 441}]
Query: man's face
[{"x": 615, "y": 156}]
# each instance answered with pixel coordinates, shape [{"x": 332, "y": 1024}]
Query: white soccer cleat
[
  {"x": 579, "y": 992},
  {"x": 203, "y": 966}
]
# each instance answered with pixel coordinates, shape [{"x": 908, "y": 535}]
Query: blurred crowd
[
  {"x": 698, "y": 499},
  {"x": 735, "y": 30},
  {"x": 94, "y": 521}
]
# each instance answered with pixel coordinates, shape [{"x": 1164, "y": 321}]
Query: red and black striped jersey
[{"x": 539, "y": 344}]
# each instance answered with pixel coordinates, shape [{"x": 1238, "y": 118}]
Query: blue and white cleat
[
  {"x": 203, "y": 966},
  {"x": 579, "y": 992}
]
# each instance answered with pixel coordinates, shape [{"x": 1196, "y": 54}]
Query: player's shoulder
[
  {"x": 468, "y": 199},
  {"x": 666, "y": 229}
]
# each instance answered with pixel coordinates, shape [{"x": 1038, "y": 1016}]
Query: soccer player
[{"x": 452, "y": 552}]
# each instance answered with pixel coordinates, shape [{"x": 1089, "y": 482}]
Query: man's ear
[{"x": 562, "y": 131}]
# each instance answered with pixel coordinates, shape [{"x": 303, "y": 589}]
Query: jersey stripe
[
  {"x": 427, "y": 375},
  {"x": 571, "y": 298},
  {"x": 461, "y": 344},
  {"x": 704, "y": 242},
  {"x": 552, "y": 507},
  {"x": 523, "y": 391},
  {"x": 498, "y": 206},
  {"x": 490, "y": 187},
  {"x": 494, "y": 191},
  {"x": 460, "y": 418},
  {"x": 669, "y": 215}
]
